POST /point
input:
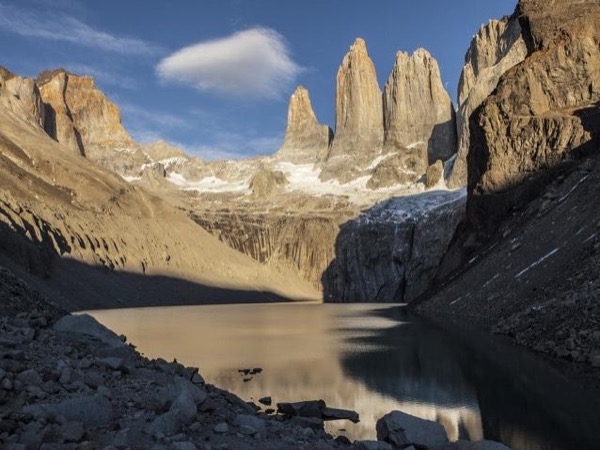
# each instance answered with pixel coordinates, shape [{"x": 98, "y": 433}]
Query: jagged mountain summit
[{"x": 306, "y": 140}]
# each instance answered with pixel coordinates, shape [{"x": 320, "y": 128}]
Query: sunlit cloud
[{"x": 254, "y": 63}]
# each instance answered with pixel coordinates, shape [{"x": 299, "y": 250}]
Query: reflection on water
[{"x": 372, "y": 359}]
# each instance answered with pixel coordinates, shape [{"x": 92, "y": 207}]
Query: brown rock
[
  {"x": 80, "y": 116},
  {"x": 22, "y": 97},
  {"x": 435, "y": 173},
  {"x": 497, "y": 47},
  {"x": 417, "y": 109},
  {"x": 268, "y": 182},
  {"x": 542, "y": 111},
  {"x": 404, "y": 167},
  {"x": 359, "y": 117},
  {"x": 306, "y": 140}
]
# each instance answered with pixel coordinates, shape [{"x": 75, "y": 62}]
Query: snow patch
[
  {"x": 537, "y": 263},
  {"x": 207, "y": 184}
]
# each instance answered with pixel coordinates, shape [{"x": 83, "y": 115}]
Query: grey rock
[
  {"x": 307, "y": 422},
  {"x": 7, "y": 384},
  {"x": 91, "y": 410},
  {"x": 86, "y": 325},
  {"x": 254, "y": 422},
  {"x": 221, "y": 428},
  {"x": 372, "y": 445},
  {"x": 311, "y": 408},
  {"x": 267, "y": 401},
  {"x": 340, "y": 414},
  {"x": 72, "y": 431},
  {"x": 400, "y": 430},
  {"x": 166, "y": 424},
  {"x": 183, "y": 446}
]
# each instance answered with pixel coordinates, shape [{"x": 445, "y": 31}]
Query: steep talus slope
[
  {"x": 59, "y": 211},
  {"x": 541, "y": 268}
]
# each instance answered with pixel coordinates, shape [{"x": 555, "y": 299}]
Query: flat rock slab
[{"x": 401, "y": 430}]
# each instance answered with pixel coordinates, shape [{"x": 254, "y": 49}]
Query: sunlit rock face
[
  {"x": 417, "y": 109},
  {"x": 359, "y": 116},
  {"x": 495, "y": 49},
  {"x": 306, "y": 140},
  {"x": 22, "y": 97}
]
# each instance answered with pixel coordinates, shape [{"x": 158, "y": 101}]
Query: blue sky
[{"x": 214, "y": 76}]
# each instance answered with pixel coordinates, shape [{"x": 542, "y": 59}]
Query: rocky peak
[
  {"x": 417, "y": 109},
  {"x": 80, "y": 116},
  {"x": 22, "y": 97},
  {"x": 160, "y": 150},
  {"x": 359, "y": 116},
  {"x": 495, "y": 49},
  {"x": 306, "y": 140}
]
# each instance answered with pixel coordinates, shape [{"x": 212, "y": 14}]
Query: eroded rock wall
[
  {"x": 495, "y": 49},
  {"x": 545, "y": 110},
  {"x": 390, "y": 253}
]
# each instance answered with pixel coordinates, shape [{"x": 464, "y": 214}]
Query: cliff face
[
  {"x": 22, "y": 97},
  {"x": 497, "y": 47},
  {"x": 417, "y": 109},
  {"x": 303, "y": 243},
  {"x": 392, "y": 252},
  {"x": 359, "y": 116},
  {"x": 306, "y": 140},
  {"x": 543, "y": 111},
  {"x": 80, "y": 116}
]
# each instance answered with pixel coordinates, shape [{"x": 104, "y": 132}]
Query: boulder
[
  {"x": 85, "y": 324},
  {"x": 250, "y": 422},
  {"x": 268, "y": 182},
  {"x": 371, "y": 445},
  {"x": 311, "y": 408},
  {"x": 401, "y": 430}
]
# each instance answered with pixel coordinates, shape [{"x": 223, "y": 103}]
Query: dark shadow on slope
[
  {"x": 522, "y": 401},
  {"x": 486, "y": 210},
  {"x": 74, "y": 285},
  {"x": 391, "y": 251}
]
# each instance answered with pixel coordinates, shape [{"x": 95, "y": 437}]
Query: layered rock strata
[
  {"x": 497, "y": 47},
  {"x": 306, "y": 140}
]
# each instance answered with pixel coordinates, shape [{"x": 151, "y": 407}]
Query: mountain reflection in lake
[{"x": 372, "y": 359}]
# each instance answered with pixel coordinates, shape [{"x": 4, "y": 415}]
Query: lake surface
[{"x": 372, "y": 359}]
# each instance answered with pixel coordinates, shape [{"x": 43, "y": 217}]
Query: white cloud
[
  {"x": 65, "y": 28},
  {"x": 254, "y": 63}
]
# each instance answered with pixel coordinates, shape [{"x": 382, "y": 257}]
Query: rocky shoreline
[{"x": 67, "y": 382}]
